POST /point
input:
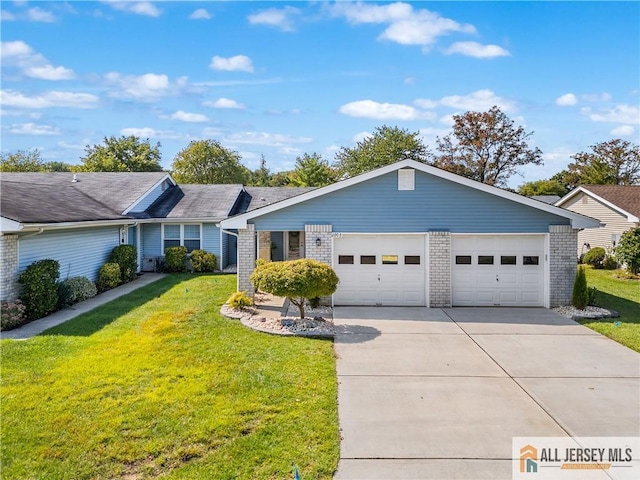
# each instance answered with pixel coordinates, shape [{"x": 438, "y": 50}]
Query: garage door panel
[{"x": 514, "y": 278}]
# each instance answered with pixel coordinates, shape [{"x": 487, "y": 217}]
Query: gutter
[{"x": 33, "y": 234}]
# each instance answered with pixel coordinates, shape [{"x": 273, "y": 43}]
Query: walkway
[{"x": 38, "y": 326}]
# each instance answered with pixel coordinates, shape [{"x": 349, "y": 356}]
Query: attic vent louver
[{"x": 75, "y": 178}]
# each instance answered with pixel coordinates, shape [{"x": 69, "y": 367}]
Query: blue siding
[
  {"x": 277, "y": 253},
  {"x": 211, "y": 238},
  {"x": 151, "y": 240},
  {"x": 376, "y": 205},
  {"x": 132, "y": 236},
  {"x": 151, "y": 197},
  {"x": 230, "y": 246},
  {"x": 81, "y": 252}
]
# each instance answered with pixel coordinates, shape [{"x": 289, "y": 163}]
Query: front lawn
[
  {"x": 159, "y": 384},
  {"x": 622, "y": 296}
]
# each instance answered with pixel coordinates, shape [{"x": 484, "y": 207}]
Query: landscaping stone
[{"x": 590, "y": 312}]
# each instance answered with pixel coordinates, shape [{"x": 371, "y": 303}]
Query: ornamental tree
[
  {"x": 628, "y": 250},
  {"x": 298, "y": 280}
]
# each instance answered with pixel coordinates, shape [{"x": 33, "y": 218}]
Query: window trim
[{"x": 182, "y": 237}]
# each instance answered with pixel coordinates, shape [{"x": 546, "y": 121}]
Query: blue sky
[{"x": 283, "y": 78}]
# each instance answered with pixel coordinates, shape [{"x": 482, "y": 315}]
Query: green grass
[
  {"x": 159, "y": 384},
  {"x": 622, "y": 296}
]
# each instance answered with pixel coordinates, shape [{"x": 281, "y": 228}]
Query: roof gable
[
  {"x": 625, "y": 199},
  {"x": 577, "y": 220}
]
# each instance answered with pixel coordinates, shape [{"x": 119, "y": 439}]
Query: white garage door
[
  {"x": 380, "y": 270},
  {"x": 505, "y": 270}
]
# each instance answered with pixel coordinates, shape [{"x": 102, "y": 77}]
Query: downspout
[{"x": 32, "y": 234}]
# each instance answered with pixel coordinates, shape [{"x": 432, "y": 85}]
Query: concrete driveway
[{"x": 439, "y": 393}]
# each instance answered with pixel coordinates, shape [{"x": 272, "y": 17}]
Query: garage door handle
[
  {"x": 378, "y": 277},
  {"x": 497, "y": 279}
]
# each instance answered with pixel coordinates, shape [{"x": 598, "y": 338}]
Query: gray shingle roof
[
  {"x": 627, "y": 197},
  {"x": 263, "y": 196},
  {"x": 195, "y": 201}
]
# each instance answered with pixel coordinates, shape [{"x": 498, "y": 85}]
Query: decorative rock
[{"x": 590, "y": 312}]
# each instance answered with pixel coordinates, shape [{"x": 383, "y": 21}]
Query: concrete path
[
  {"x": 38, "y": 326},
  {"x": 430, "y": 393}
]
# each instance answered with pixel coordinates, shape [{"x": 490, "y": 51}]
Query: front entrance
[{"x": 294, "y": 245}]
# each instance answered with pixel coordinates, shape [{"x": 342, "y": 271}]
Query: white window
[{"x": 178, "y": 234}]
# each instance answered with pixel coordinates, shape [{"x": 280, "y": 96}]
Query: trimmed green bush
[
  {"x": 203, "y": 261},
  {"x": 298, "y": 280},
  {"x": 592, "y": 296},
  {"x": 239, "y": 301},
  {"x": 126, "y": 257},
  {"x": 580, "y": 297},
  {"x": 175, "y": 259},
  {"x": 12, "y": 315},
  {"x": 39, "y": 288},
  {"x": 108, "y": 277},
  {"x": 610, "y": 263},
  {"x": 74, "y": 290},
  {"x": 595, "y": 257},
  {"x": 628, "y": 250}
]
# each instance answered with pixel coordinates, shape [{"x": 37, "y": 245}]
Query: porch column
[
  {"x": 264, "y": 245},
  {"x": 440, "y": 269},
  {"x": 246, "y": 258},
  {"x": 320, "y": 252},
  {"x": 563, "y": 261}
]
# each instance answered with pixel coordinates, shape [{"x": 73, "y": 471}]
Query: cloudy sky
[{"x": 283, "y": 78}]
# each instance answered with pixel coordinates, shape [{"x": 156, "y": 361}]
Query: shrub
[
  {"x": 39, "y": 288},
  {"x": 202, "y": 261},
  {"x": 595, "y": 257},
  {"x": 12, "y": 315},
  {"x": 108, "y": 277},
  {"x": 127, "y": 258},
  {"x": 297, "y": 280},
  {"x": 580, "y": 297},
  {"x": 610, "y": 262},
  {"x": 592, "y": 296},
  {"x": 239, "y": 301},
  {"x": 74, "y": 290},
  {"x": 175, "y": 259},
  {"x": 628, "y": 250}
]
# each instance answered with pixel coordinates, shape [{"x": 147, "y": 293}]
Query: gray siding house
[{"x": 412, "y": 234}]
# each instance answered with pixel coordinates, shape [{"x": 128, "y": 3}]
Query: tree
[
  {"x": 124, "y": 154},
  {"x": 616, "y": 162},
  {"x": 312, "y": 171},
  {"x": 628, "y": 250},
  {"x": 542, "y": 187},
  {"x": 22, "y": 161},
  {"x": 298, "y": 280},
  {"x": 580, "y": 296},
  {"x": 487, "y": 147},
  {"x": 207, "y": 161},
  {"x": 262, "y": 176},
  {"x": 387, "y": 145}
]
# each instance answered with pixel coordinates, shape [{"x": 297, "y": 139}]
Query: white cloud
[
  {"x": 425, "y": 103},
  {"x": 627, "y": 114},
  {"x": 52, "y": 99},
  {"x": 6, "y": 16},
  {"x": 147, "y": 87},
  {"x": 281, "y": 18},
  {"x": 139, "y": 8},
  {"x": 596, "y": 97},
  {"x": 200, "y": 14},
  {"x": 30, "y": 63},
  {"x": 33, "y": 129},
  {"x": 36, "y": 14},
  {"x": 360, "y": 136},
  {"x": 477, "y": 50},
  {"x": 567, "y": 100},
  {"x": 380, "y": 111},
  {"x": 480, "y": 100},
  {"x": 409, "y": 80},
  {"x": 226, "y": 103},
  {"x": 268, "y": 139},
  {"x": 623, "y": 131},
  {"x": 238, "y": 63},
  {"x": 189, "y": 117},
  {"x": 406, "y": 25},
  {"x": 148, "y": 132}
]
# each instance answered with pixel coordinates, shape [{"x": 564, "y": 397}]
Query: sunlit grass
[
  {"x": 158, "y": 384},
  {"x": 623, "y": 296}
]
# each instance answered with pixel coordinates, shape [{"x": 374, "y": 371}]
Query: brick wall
[
  {"x": 264, "y": 245},
  {"x": 439, "y": 269},
  {"x": 246, "y": 258},
  {"x": 563, "y": 242},
  {"x": 321, "y": 253},
  {"x": 9, "y": 288}
]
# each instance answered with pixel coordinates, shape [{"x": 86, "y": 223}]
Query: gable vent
[{"x": 406, "y": 179}]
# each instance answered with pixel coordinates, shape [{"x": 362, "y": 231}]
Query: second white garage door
[
  {"x": 504, "y": 270},
  {"x": 380, "y": 270}
]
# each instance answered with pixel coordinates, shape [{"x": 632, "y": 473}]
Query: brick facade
[
  {"x": 563, "y": 241},
  {"x": 9, "y": 288},
  {"x": 323, "y": 252},
  {"x": 264, "y": 245},
  {"x": 246, "y": 258},
  {"x": 439, "y": 269}
]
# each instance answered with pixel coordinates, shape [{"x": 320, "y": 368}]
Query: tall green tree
[
  {"x": 387, "y": 145},
  {"x": 207, "y": 161},
  {"x": 487, "y": 147},
  {"x": 615, "y": 162},
  {"x": 543, "y": 187},
  {"x": 312, "y": 171},
  {"x": 22, "y": 161},
  {"x": 262, "y": 176},
  {"x": 124, "y": 154}
]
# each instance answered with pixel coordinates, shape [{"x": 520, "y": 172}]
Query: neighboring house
[
  {"x": 551, "y": 199},
  {"x": 77, "y": 219},
  {"x": 616, "y": 206},
  {"x": 412, "y": 234}
]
